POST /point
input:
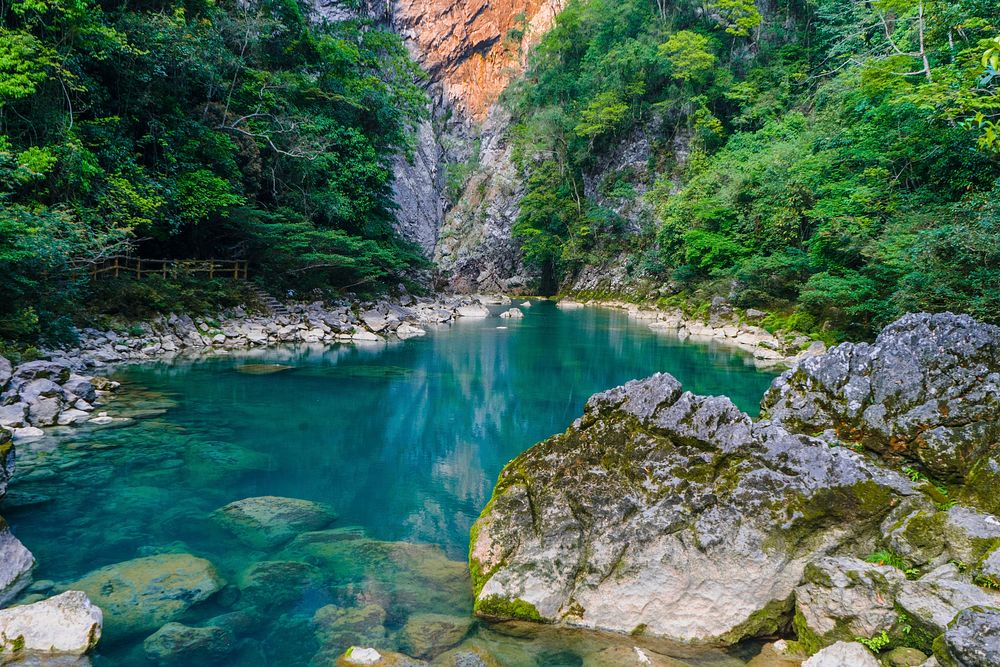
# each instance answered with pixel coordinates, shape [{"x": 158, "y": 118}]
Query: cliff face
[
  {"x": 458, "y": 195},
  {"x": 472, "y": 50}
]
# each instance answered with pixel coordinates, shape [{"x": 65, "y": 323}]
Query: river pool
[{"x": 402, "y": 441}]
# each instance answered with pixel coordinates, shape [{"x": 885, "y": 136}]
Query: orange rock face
[{"x": 473, "y": 49}]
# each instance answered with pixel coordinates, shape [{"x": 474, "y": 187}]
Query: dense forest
[
  {"x": 841, "y": 165},
  {"x": 193, "y": 128},
  {"x": 834, "y": 163}
]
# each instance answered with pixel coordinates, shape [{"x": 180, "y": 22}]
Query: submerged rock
[
  {"x": 267, "y": 522},
  {"x": 666, "y": 513},
  {"x": 269, "y": 584},
  {"x": 927, "y": 390},
  {"x": 401, "y": 577},
  {"x": 143, "y": 594},
  {"x": 64, "y": 624},
  {"x": 630, "y": 656},
  {"x": 427, "y": 635},
  {"x": 337, "y": 628},
  {"x": 178, "y": 644}
]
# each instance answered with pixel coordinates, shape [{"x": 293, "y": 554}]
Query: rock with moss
[
  {"x": 670, "y": 514},
  {"x": 933, "y": 601},
  {"x": 972, "y": 639},
  {"x": 927, "y": 391},
  {"x": 66, "y": 624},
  {"x": 139, "y": 596},
  {"x": 369, "y": 657},
  {"x": 925, "y": 536},
  {"x": 841, "y": 598}
]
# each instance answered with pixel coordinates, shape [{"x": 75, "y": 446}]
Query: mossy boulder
[
  {"x": 842, "y": 598},
  {"x": 339, "y": 628},
  {"x": 972, "y": 639},
  {"x": 671, "y": 514},
  {"x": 925, "y": 393},
  {"x": 273, "y": 584}
]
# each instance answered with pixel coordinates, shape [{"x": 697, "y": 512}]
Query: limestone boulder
[
  {"x": 65, "y": 624},
  {"x": 842, "y": 598},
  {"x": 670, "y": 514},
  {"x": 16, "y": 565},
  {"x": 473, "y": 310},
  {"x": 843, "y": 654},
  {"x": 972, "y": 639},
  {"x": 927, "y": 391}
]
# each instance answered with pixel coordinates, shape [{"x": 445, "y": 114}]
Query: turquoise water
[{"x": 402, "y": 441}]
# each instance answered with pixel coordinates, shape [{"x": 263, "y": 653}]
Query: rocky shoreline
[
  {"x": 858, "y": 513},
  {"x": 723, "y": 325}
]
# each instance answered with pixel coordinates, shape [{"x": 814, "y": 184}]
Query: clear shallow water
[{"x": 403, "y": 441}]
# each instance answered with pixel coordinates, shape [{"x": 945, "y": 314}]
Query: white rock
[
  {"x": 16, "y": 564},
  {"x": 513, "y": 313},
  {"x": 364, "y": 335},
  {"x": 14, "y": 416},
  {"x": 568, "y": 304},
  {"x": 73, "y": 416},
  {"x": 102, "y": 418},
  {"x": 362, "y": 656},
  {"x": 665, "y": 325},
  {"x": 68, "y": 624},
  {"x": 27, "y": 432},
  {"x": 526, "y": 304},
  {"x": 474, "y": 310},
  {"x": 843, "y": 654},
  {"x": 407, "y": 330}
]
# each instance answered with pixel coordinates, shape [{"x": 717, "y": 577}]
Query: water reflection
[{"x": 402, "y": 440}]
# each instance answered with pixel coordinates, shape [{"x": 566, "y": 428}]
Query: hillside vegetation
[
  {"x": 839, "y": 161},
  {"x": 193, "y": 128}
]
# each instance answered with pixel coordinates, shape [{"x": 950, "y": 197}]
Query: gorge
[{"x": 562, "y": 333}]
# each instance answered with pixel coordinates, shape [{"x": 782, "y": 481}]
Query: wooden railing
[{"x": 138, "y": 267}]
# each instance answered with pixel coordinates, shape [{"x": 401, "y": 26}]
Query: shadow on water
[{"x": 403, "y": 441}]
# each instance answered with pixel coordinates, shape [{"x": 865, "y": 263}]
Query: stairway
[{"x": 267, "y": 300}]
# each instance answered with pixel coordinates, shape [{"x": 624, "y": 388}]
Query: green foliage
[
  {"x": 184, "y": 129},
  {"x": 840, "y": 164},
  {"x": 689, "y": 55},
  {"x": 887, "y": 558},
  {"x": 877, "y": 643}
]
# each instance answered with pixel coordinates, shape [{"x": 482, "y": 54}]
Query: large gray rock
[
  {"x": 6, "y": 370},
  {"x": 842, "y": 598},
  {"x": 6, "y": 459},
  {"x": 927, "y": 391},
  {"x": 65, "y": 624},
  {"x": 843, "y": 654},
  {"x": 972, "y": 639},
  {"x": 671, "y": 514},
  {"x": 16, "y": 565},
  {"x": 50, "y": 370},
  {"x": 932, "y": 601}
]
